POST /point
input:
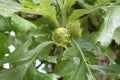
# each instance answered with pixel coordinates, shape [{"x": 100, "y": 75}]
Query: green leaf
[
  {"x": 76, "y": 67},
  {"x": 4, "y": 43},
  {"x": 7, "y": 8},
  {"x": 116, "y": 36},
  {"x": 113, "y": 70},
  {"x": 64, "y": 6},
  {"x": 103, "y": 2},
  {"x": 83, "y": 4},
  {"x": 33, "y": 74},
  {"x": 52, "y": 59},
  {"x": 4, "y": 24},
  {"x": 15, "y": 73},
  {"x": 29, "y": 4},
  {"x": 19, "y": 51},
  {"x": 117, "y": 1},
  {"x": 65, "y": 67},
  {"x": 45, "y": 55},
  {"x": 22, "y": 53},
  {"x": 109, "y": 26},
  {"x": 70, "y": 71},
  {"x": 37, "y": 1},
  {"x": 69, "y": 3},
  {"x": 78, "y": 55},
  {"x": 71, "y": 52},
  {"x": 26, "y": 59},
  {"x": 68, "y": 76},
  {"x": 22, "y": 24},
  {"x": 80, "y": 12},
  {"x": 90, "y": 2},
  {"x": 83, "y": 69},
  {"x": 87, "y": 46},
  {"x": 35, "y": 51},
  {"x": 80, "y": 73},
  {"x": 117, "y": 60},
  {"x": 44, "y": 9}
]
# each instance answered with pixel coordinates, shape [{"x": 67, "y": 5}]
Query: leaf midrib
[{"x": 84, "y": 60}]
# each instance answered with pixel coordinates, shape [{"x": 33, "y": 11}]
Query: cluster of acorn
[{"x": 62, "y": 35}]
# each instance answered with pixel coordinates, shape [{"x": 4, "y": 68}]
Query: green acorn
[
  {"x": 74, "y": 28},
  {"x": 61, "y": 37}
]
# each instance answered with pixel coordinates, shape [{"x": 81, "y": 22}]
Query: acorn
[
  {"x": 74, "y": 28},
  {"x": 61, "y": 37}
]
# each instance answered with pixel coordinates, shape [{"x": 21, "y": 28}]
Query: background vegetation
[{"x": 72, "y": 39}]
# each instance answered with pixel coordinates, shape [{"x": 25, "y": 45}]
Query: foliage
[{"x": 67, "y": 36}]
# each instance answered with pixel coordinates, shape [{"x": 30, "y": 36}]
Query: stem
[
  {"x": 64, "y": 17},
  {"x": 63, "y": 12},
  {"x": 58, "y": 4},
  {"x": 111, "y": 60}
]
